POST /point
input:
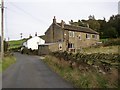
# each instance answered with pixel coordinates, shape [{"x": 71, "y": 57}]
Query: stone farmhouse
[{"x": 65, "y": 37}]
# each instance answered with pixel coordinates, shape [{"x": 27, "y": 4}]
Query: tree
[
  {"x": 103, "y": 27},
  {"x": 115, "y": 22},
  {"x": 82, "y": 23},
  {"x": 94, "y": 24},
  {"x": 110, "y": 33},
  {"x": 106, "y": 29},
  {"x": 110, "y": 29}
]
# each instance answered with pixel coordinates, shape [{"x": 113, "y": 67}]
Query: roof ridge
[{"x": 73, "y": 27}]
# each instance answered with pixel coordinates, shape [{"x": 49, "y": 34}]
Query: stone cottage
[{"x": 65, "y": 37}]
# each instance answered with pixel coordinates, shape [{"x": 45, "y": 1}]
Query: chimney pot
[
  {"x": 35, "y": 33},
  {"x": 62, "y": 23},
  {"x": 54, "y": 17},
  {"x": 54, "y": 20}
]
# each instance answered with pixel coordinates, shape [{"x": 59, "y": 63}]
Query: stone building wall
[
  {"x": 51, "y": 47},
  {"x": 54, "y": 34}
]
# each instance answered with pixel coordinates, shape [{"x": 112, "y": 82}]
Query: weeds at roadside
[
  {"x": 7, "y": 61},
  {"x": 80, "y": 79}
]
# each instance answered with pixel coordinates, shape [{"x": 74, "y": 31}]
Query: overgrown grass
[
  {"x": 81, "y": 78},
  {"x": 107, "y": 49},
  {"x": 6, "y": 62},
  {"x": 107, "y": 46}
]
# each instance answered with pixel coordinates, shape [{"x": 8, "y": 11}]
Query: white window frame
[
  {"x": 71, "y": 34},
  {"x": 73, "y": 45}
]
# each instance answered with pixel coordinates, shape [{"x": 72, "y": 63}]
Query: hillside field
[{"x": 15, "y": 43}]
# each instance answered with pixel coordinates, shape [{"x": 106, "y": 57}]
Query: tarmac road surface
[{"x": 31, "y": 72}]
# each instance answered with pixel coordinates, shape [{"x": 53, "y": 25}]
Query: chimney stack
[
  {"x": 54, "y": 20},
  {"x": 36, "y": 34},
  {"x": 62, "y": 23}
]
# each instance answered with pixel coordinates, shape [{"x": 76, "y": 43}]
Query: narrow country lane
[{"x": 31, "y": 72}]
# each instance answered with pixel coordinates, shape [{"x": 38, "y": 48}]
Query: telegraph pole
[{"x": 2, "y": 29}]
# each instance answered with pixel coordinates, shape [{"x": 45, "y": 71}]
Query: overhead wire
[
  {"x": 29, "y": 14},
  {"x": 25, "y": 12}
]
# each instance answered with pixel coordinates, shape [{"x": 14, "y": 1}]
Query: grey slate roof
[{"x": 78, "y": 29}]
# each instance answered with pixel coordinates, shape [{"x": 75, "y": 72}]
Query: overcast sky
[{"x": 30, "y": 16}]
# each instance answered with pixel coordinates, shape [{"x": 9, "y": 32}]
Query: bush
[
  {"x": 111, "y": 42},
  {"x": 5, "y": 46},
  {"x": 29, "y": 51},
  {"x": 16, "y": 49}
]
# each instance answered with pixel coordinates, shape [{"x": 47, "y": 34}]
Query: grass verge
[
  {"x": 82, "y": 78},
  {"x": 107, "y": 49},
  {"x": 6, "y": 62}
]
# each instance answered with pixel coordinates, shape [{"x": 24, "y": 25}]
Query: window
[
  {"x": 88, "y": 36},
  {"x": 37, "y": 43},
  {"x": 94, "y": 36},
  {"x": 70, "y": 45},
  {"x": 71, "y": 34},
  {"x": 60, "y": 46},
  {"x": 60, "y": 40}
]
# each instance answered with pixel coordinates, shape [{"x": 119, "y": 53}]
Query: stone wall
[
  {"x": 43, "y": 49},
  {"x": 51, "y": 47},
  {"x": 54, "y": 34}
]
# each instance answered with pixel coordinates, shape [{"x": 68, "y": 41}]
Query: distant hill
[{"x": 18, "y": 43}]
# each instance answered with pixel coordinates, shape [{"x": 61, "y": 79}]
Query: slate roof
[
  {"x": 42, "y": 37},
  {"x": 78, "y": 28}
]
